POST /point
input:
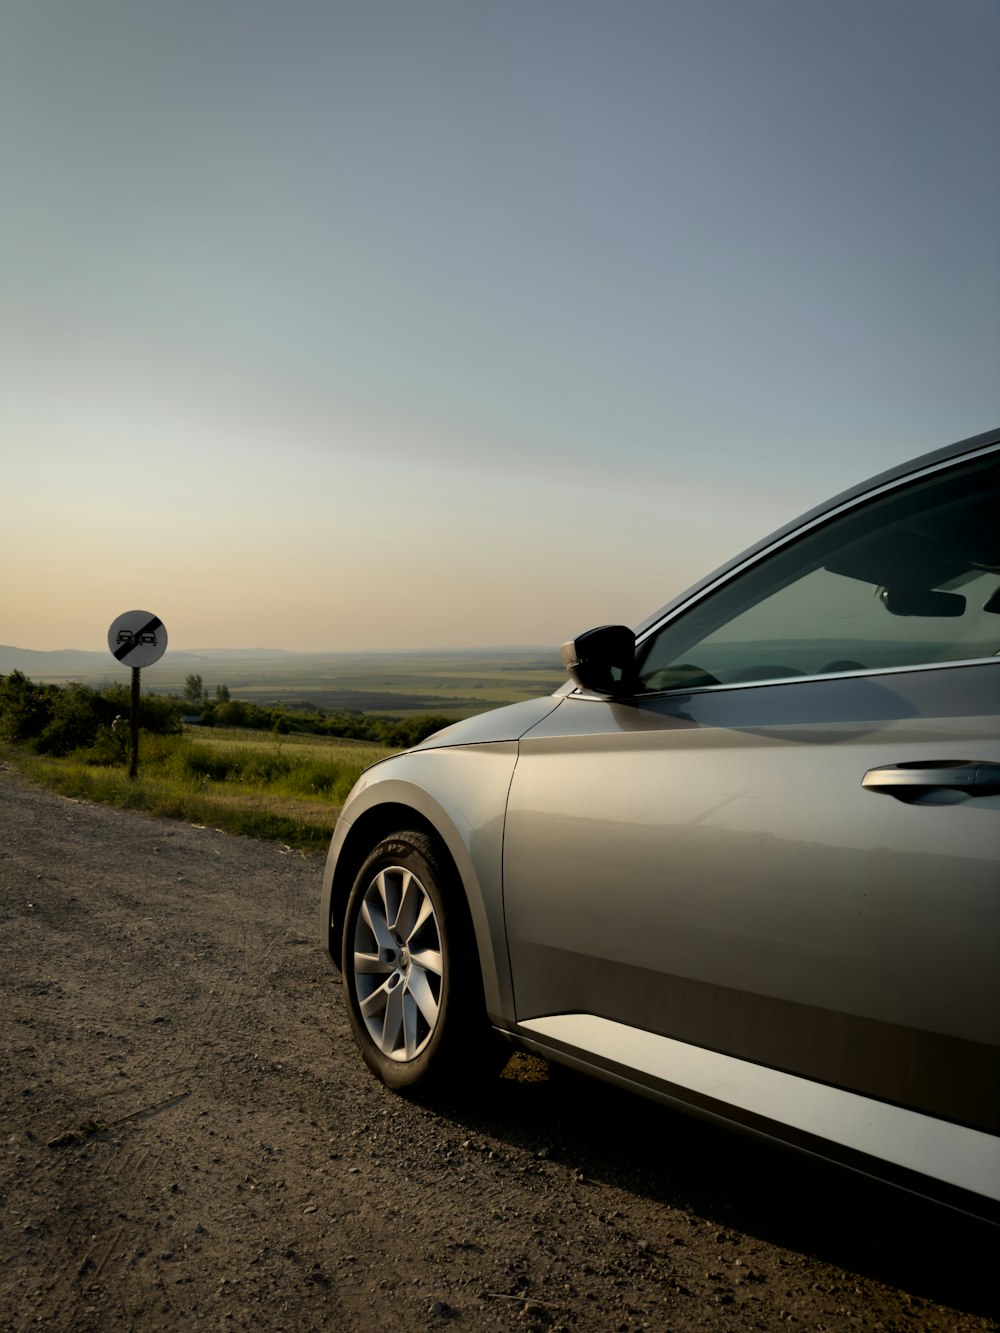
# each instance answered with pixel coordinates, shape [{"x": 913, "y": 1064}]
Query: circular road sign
[{"x": 137, "y": 638}]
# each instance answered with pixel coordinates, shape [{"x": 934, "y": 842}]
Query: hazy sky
[{"x": 336, "y": 324}]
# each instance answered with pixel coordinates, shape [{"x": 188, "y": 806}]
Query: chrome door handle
[{"x": 954, "y": 777}]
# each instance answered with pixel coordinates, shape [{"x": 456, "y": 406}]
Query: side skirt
[{"x": 951, "y": 1163}]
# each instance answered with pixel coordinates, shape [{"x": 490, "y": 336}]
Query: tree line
[{"x": 62, "y": 719}]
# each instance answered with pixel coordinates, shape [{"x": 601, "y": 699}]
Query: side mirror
[{"x": 602, "y": 660}]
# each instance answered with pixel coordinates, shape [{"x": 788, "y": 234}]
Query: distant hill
[
  {"x": 68, "y": 663},
  {"x": 452, "y": 682},
  {"x": 71, "y": 663}
]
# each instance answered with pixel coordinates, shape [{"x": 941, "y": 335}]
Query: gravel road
[{"x": 189, "y": 1140}]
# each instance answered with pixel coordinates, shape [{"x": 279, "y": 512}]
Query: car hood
[{"x": 501, "y": 724}]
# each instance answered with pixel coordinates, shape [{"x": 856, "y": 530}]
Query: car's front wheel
[{"x": 411, "y": 971}]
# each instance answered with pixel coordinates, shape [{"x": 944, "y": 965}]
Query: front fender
[{"x": 461, "y": 795}]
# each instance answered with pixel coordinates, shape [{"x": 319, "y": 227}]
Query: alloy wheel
[{"x": 398, "y": 963}]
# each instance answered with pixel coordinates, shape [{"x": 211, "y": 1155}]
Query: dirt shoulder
[{"x": 189, "y": 1140}]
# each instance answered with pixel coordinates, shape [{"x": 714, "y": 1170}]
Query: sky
[{"x": 397, "y": 324}]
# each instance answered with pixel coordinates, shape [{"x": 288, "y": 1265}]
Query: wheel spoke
[
  {"x": 374, "y": 1004},
  {"x": 423, "y": 995},
  {"x": 387, "y": 884},
  {"x": 409, "y": 1025},
  {"x": 411, "y": 908},
  {"x": 430, "y": 960},
  {"x": 425, "y": 914},
  {"x": 392, "y": 1028},
  {"x": 370, "y": 964},
  {"x": 376, "y": 922}
]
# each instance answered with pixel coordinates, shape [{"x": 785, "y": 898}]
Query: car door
[{"x": 785, "y": 845}]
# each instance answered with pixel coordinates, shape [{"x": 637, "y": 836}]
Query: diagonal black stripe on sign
[{"x": 124, "y": 649}]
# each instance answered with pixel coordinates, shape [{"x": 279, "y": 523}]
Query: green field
[
  {"x": 453, "y": 685},
  {"x": 329, "y": 749},
  {"x": 450, "y": 684}
]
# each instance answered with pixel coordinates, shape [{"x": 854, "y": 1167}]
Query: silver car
[{"x": 747, "y": 861}]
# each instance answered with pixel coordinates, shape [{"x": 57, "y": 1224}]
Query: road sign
[{"x": 137, "y": 639}]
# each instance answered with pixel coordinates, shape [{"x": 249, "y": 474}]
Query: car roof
[{"x": 902, "y": 470}]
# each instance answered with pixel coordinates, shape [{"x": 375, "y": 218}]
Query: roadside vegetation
[
  {"x": 268, "y": 774},
  {"x": 220, "y": 710}
]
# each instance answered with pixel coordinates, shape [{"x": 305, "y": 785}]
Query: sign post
[{"x": 137, "y": 639}]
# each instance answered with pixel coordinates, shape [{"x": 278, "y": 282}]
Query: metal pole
[{"x": 133, "y": 763}]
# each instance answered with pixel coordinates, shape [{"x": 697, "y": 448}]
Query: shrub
[
  {"x": 410, "y": 731},
  {"x": 110, "y": 746},
  {"x": 77, "y": 714},
  {"x": 58, "y": 720},
  {"x": 25, "y": 708},
  {"x": 234, "y": 713}
]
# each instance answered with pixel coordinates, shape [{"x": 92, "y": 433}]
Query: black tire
[{"x": 411, "y": 972}]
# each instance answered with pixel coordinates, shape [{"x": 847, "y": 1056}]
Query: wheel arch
[
  {"x": 473, "y": 856},
  {"x": 362, "y": 835}
]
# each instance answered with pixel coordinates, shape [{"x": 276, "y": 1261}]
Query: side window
[{"x": 909, "y": 577}]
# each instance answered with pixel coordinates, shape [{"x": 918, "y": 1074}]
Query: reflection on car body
[{"x": 747, "y": 861}]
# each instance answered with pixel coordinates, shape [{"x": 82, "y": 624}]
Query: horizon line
[{"x": 304, "y": 652}]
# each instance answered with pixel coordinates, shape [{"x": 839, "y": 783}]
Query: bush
[
  {"x": 25, "y": 708},
  {"x": 410, "y": 731},
  {"x": 234, "y": 713},
  {"x": 110, "y": 747},
  {"x": 59, "y": 720},
  {"x": 78, "y": 712}
]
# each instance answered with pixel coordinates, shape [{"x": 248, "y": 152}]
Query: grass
[{"x": 286, "y": 789}]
